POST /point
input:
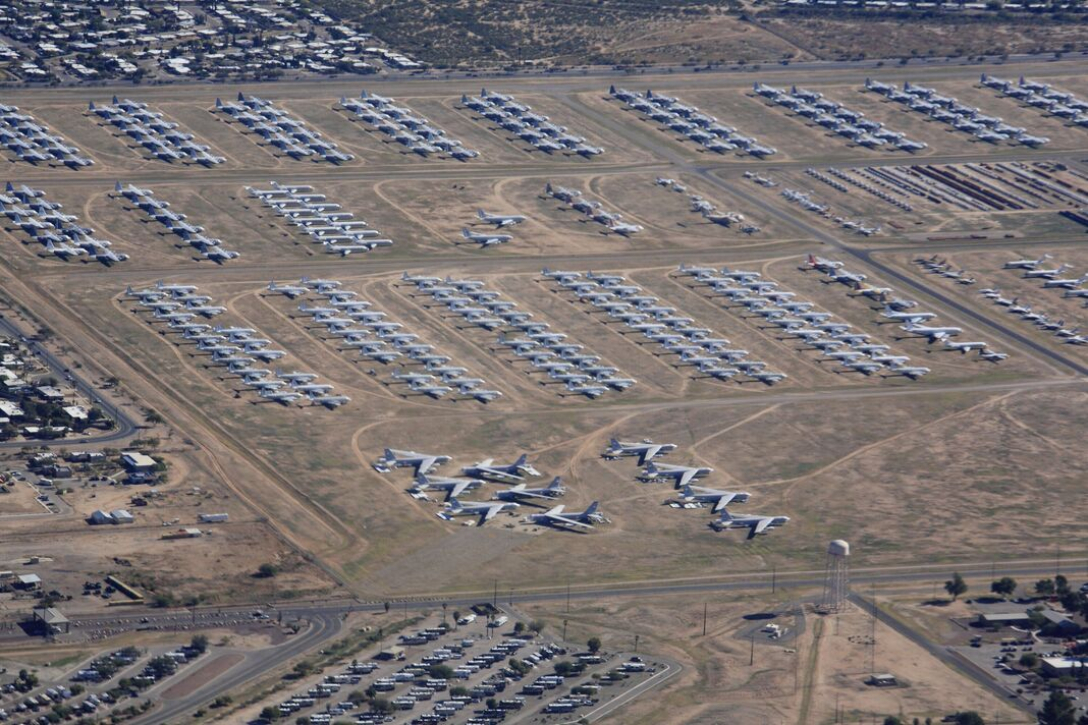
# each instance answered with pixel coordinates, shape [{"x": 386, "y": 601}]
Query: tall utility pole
[
  {"x": 872, "y": 638},
  {"x": 568, "y": 593},
  {"x": 704, "y": 619},
  {"x": 495, "y": 596}
]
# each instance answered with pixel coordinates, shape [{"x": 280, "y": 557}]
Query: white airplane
[
  {"x": 1026, "y": 263},
  {"x": 933, "y": 333},
  {"x": 453, "y": 487},
  {"x": 486, "y": 511},
  {"x": 516, "y": 471},
  {"x": 683, "y": 475},
  {"x": 1046, "y": 273},
  {"x": 64, "y": 250},
  {"x": 896, "y": 316},
  {"x": 646, "y": 451},
  {"x": 720, "y": 499},
  {"x": 556, "y": 517},
  {"x": 329, "y": 401},
  {"x": 486, "y": 240},
  {"x": 421, "y": 462},
  {"x": 755, "y": 524},
  {"x": 285, "y": 397},
  {"x": 552, "y": 490},
  {"x": 291, "y": 291},
  {"x": 499, "y": 220}
]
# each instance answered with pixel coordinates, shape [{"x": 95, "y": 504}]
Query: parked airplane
[
  {"x": 516, "y": 471},
  {"x": 755, "y": 524},
  {"x": 557, "y": 517},
  {"x": 486, "y": 240},
  {"x": 552, "y": 490},
  {"x": 646, "y": 451},
  {"x": 719, "y": 498},
  {"x": 500, "y": 220},
  {"x": 453, "y": 487},
  {"x": 1026, "y": 263},
  {"x": 486, "y": 511},
  {"x": 421, "y": 462}
]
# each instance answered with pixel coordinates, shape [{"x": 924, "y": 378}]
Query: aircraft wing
[
  {"x": 565, "y": 520},
  {"x": 686, "y": 477},
  {"x": 722, "y": 502},
  {"x": 649, "y": 453},
  {"x": 459, "y": 488},
  {"x": 426, "y": 464},
  {"x": 760, "y": 526},
  {"x": 491, "y": 512}
]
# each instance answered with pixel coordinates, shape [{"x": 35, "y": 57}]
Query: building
[
  {"x": 75, "y": 412},
  {"x": 28, "y": 582},
  {"x": 1060, "y": 666},
  {"x": 52, "y": 621},
  {"x": 136, "y": 461},
  {"x": 188, "y": 533},
  {"x": 1004, "y": 619},
  {"x": 213, "y": 518},
  {"x": 122, "y": 516},
  {"x": 1060, "y": 623}
]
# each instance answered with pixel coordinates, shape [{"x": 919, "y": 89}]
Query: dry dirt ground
[
  {"x": 735, "y": 672},
  {"x": 848, "y": 37},
  {"x": 950, "y": 467}
]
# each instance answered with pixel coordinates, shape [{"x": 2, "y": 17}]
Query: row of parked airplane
[
  {"x": 689, "y": 121},
  {"x": 552, "y": 353},
  {"x": 876, "y": 188},
  {"x": 647, "y": 452},
  {"x": 765, "y": 302},
  {"x": 707, "y": 208},
  {"x": 950, "y": 111},
  {"x": 507, "y": 500},
  {"x": 282, "y": 130},
  {"x": 339, "y": 231},
  {"x": 1042, "y": 96},
  {"x": 405, "y": 127},
  {"x": 1051, "y": 279},
  {"x": 698, "y": 347},
  {"x": 161, "y": 139},
  {"x": 805, "y": 200},
  {"x": 594, "y": 210},
  {"x": 234, "y": 348},
  {"x": 61, "y": 235},
  {"x": 192, "y": 236},
  {"x": 32, "y": 141},
  {"x": 942, "y": 268},
  {"x": 901, "y": 311},
  {"x": 835, "y": 116},
  {"x": 355, "y": 324},
  {"x": 535, "y": 129}
]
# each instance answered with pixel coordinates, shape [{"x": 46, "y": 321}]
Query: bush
[{"x": 267, "y": 571}]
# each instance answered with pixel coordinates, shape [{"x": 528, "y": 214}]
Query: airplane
[
  {"x": 64, "y": 250},
  {"x": 720, "y": 499},
  {"x": 895, "y": 316},
  {"x": 755, "y": 524},
  {"x": 557, "y": 517},
  {"x": 1065, "y": 283},
  {"x": 499, "y": 220},
  {"x": 516, "y": 471},
  {"x": 646, "y": 451},
  {"x": 329, "y": 401},
  {"x": 933, "y": 333},
  {"x": 486, "y": 511},
  {"x": 285, "y": 397},
  {"x": 453, "y": 487},
  {"x": 291, "y": 291},
  {"x": 1026, "y": 263},
  {"x": 486, "y": 240},
  {"x": 1046, "y": 273},
  {"x": 421, "y": 462},
  {"x": 552, "y": 490}
]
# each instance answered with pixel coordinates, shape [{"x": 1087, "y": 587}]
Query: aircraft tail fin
[
  {"x": 115, "y": 100},
  {"x": 521, "y": 460},
  {"x": 455, "y": 504},
  {"x": 556, "y": 484},
  {"x": 241, "y": 97},
  {"x": 593, "y": 508},
  {"x": 90, "y": 106},
  {"x": 726, "y": 517},
  {"x": 117, "y": 187},
  {"x": 687, "y": 490},
  {"x": 465, "y": 233},
  {"x": 218, "y": 102}
]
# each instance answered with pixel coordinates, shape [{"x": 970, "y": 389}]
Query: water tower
[{"x": 837, "y": 577}]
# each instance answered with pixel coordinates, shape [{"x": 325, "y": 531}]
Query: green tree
[
  {"x": 537, "y": 626},
  {"x": 1044, "y": 587},
  {"x": 266, "y": 571},
  {"x": 594, "y": 644},
  {"x": 270, "y": 714},
  {"x": 1005, "y": 586},
  {"x": 440, "y": 672},
  {"x": 199, "y": 642},
  {"x": 955, "y": 586},
  {"x": 1061, "y": 584},
  {"x": 892, "y": 720},
  {"x": 1029, "y": 660},
  {"x": 968, "y": 717},
  {"x": 1058, "y": 710}
]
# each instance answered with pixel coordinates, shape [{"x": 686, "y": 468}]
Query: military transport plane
[
  {"x": 513, "y": 472},
  {"x": 499, "y": 220},
  {"x": 486, "y": 511},
  {"x": 552, "y": 490},
  {"x": 646, "y": 451},
  {"x": 755, "y": 524},
  {"x": 556, "y": 517},
  {"x": 720, "y": 499},
  {"x": 485, "y": 240},
  {"x": 682, "y": 475},
  {"x": 421, "y": 462}
]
